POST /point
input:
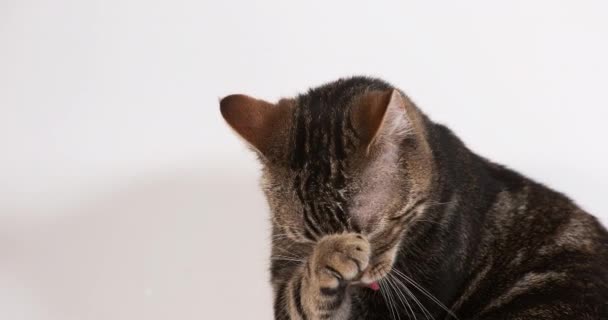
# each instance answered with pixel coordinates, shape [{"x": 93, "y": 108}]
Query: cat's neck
[{"x": 440, "y": 247}]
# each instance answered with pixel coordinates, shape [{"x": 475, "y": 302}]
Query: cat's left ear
[
  {"x": 385, "y": 115},
  {"x": 260, "y": 123}
]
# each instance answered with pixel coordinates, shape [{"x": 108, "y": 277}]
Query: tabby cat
[{"x": 380, "y": 213}]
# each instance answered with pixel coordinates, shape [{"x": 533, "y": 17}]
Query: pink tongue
[{"x": 374, "y": 286}]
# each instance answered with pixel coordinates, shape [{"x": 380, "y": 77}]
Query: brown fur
[{"x": 363, "y": 187}]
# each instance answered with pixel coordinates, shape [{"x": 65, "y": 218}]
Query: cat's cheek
[{"x": 379, "y": 268}]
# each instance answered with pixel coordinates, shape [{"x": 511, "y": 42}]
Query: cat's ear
[
  {"x": 258, "y": 122},
  {"x": 382, "y": 114}
]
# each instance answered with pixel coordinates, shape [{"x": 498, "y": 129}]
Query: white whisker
[
  {"x": 393, "y": 299},
  {"x": 388, "y": 300},
  {"x": 402, "y": 297},
  {"x": 411, "y": 294},
  {"x": 425, "y": 292},
  {"x": 383, "y": 294},
  {"x": 284, "y": 258}
]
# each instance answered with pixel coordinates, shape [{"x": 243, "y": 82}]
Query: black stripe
[
  {"x": 307, "y": 218},
  {"x": 380, "y": 251},
  {"x": 297, "y": 298},
  {"x": 332, "y": 305},
  {"x": 315, "y": 218},
  {"x": 335, "y": 272},
  {"x": 328, "y": 315},
  {"x": 417, "y": 204},
  {"x": 324, "y": 151},
  {"x": 329, "y": 291},
  {"x": 386, "y": 246},
  {"x": 338, "y": 134},
  {"x": 332, "y": 298},
  {"x": 308, "y": 235},
  {"x": 307, "y": 188},
  {"x": 280, "y": 310},
  {"x": 350, "y": 142},
  {"x": 298, "y": 155},
  {"x": 333, "y": 221},
  {"x": 341, "y": 215},
  {"x": 340, "y": 182}
]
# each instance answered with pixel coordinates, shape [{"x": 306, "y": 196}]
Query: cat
[{"x": 379, "y": 213}]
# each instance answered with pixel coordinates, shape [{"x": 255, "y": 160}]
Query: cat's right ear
[{"x": 258, "y": 122}]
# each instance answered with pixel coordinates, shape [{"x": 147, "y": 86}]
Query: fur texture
[{"x": 363, "y": 187}]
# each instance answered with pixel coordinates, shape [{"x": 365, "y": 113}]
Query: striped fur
[{"x": 447, "y": 233}]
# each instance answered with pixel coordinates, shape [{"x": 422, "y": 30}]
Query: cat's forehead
[{"x": 322, "y": 134}]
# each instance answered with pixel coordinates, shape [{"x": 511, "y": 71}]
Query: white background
[{"x": 123, "y": 195}]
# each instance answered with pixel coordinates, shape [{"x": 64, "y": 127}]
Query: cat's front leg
[{"x": 321, "y": 289}]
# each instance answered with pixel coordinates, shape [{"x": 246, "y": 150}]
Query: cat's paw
[{"x": 340, "y": 259}]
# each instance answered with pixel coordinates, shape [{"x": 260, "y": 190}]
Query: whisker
[
  {"x": 277, "y": 238},
  {"x": 422, "y": 308},
  {"x": 425, "y": 292},
  {"x": 286, "y": 250},
  {"x": 279, "y": 234},
  {"x": 284, "y": 236},
  {"x": 286, "y": 259},
  {"x": 402, "y": 297},
  {"x": 283, "y": 258},
  {"x": 383, "y": 294},
  {"x": 411, "y": 294},
  {"x": 287, "y": 256},
  {"x": 388, "y": 300},
  {"x": 393, "y": 294},
  {"x": 390, "y": 287}
]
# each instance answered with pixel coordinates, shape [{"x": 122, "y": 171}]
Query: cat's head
[{"x": 351, "y": 155}]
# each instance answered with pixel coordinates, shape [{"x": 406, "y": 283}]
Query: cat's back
[
  {"x": 540, "y": 248},
  {"x": 537, "y": 218}
]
